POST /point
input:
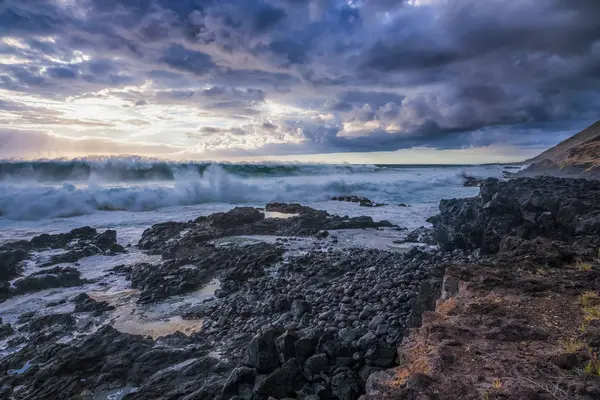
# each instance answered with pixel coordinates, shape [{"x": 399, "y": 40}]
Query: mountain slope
[
  {"x": 579, "y": 155},
  {"x": 561, "y": 151}
]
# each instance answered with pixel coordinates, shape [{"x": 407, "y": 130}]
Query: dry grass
[
  {"x": 592, "y": 368},
  {"x": 583, "y": 266},
  {"x": 590, "y": 301},
  {"x": 552, "y": 389},
  {"x": 497, "y": 384},
  {"x": 572, "y": 346}
]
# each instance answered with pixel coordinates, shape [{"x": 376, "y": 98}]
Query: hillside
[{"x": 579, "y": 155}]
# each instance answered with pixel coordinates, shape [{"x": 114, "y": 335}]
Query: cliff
[{"x": 579, "y": 155}]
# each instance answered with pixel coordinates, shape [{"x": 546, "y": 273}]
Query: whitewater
[{"x": 131, "y": 194}]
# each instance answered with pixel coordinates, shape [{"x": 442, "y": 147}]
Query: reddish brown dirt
[{"x": 501, "y": 332}]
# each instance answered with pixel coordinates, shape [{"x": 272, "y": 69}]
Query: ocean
[{"x": 131, "y": 194}]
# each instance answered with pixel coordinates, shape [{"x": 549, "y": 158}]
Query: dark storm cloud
[
  {"x": 62, "y": 72},
  {"x": 267, "y": 17},
  {"x": 178, "y": 57},
  {"x": 30, "y": 17},
  {"x": 348, "y": 100},
  {"x": 389, "y": 74},
  {"x": 463, "y": 30}
]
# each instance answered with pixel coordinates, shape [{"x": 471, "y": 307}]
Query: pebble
[
  {"x": 375, "y": 322},
  {"x": 382, "y": 329},
  {"x": 347, "y": 335}
]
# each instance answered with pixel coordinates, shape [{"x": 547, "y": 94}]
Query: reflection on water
[
  {"x": 115, "y": 394},
  {"x": 132, "y": 324},
  {"x": 21, "y": 370},
  {"x": 114, "y": 296},
  {"x": 155, "y": 320},
  {"x": 208, "y": 291},
  {"x": 275, "y": 214}
]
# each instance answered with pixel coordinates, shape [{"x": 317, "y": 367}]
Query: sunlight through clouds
[{"x": 278, "y": 78}]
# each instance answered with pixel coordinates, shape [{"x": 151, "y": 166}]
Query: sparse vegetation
[
  {"x": 540, "y": 271},
  {"x": 552, "y": 389},
  {"x": 590, "y": 302},
  {"x": 572, "y": 346},
  {"x": 497, "y": 384},
  {"x": 583, "y": 266},
  {"x": 592, "y": 368}
]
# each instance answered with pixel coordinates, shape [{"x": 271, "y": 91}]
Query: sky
[{"x": 388, "y": 81}]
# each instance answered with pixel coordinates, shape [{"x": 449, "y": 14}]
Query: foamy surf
[{"x": 215, "y": 184}]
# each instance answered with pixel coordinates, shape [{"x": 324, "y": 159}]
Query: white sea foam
[{"x": 33, "y": 200}]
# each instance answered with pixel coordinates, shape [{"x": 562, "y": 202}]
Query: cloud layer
[{"x": 267, "y": 77}]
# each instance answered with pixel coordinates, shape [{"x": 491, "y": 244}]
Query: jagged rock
[
  {"x": 345, "y": 384},
  {"x": 305, "y": 347},
  {"x": 347, "y": 335},
  {"x": 381, "y": 355},
  {"x": 106, "y": 239},
  {"x": 177, "y": 240},
  {"x": 283, "y": 382},
  {"x": 262, "y": 352},
  {"x": 362, "y": 201},
  {"x": 5, "y": 290},
  {"x": 53, "y": 241},
  {"x": 10, "y": 263},
  {"x": 470, "y": 181},
  {"x": 158, "y": 237},
  {"x": 526, "y": 208},
  {"x": 49, "y": 278},
  {"x": 316, "y": 365},
  {"x": 84, "y": 303},
  {"x": 240, "y": 383},
  {"x": 235, "y": 217},
  {"x": 419, "y": 235},
  {"x": 5, "y": 330},
  {"x": 174, "y": 277},
  {"x": 288, "y": 208},
  {"x": 334, "y": 347},
  {"x": 116, "y": 248},
  {"x": 367, "y": 341},
  {"x": 72, "y": 255},
  {"x": 286, "y": 346},
  {"x": 45, "y": 321},
  {"x": 299, "y": 308}
]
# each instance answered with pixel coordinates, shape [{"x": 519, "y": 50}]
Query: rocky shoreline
[
  {"x": 521, "y": 319},
  {"x": 293, "y": 315}
]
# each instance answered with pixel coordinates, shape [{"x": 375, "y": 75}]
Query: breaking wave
[
  {"x": 139, "y": 169},
  {"x": 214, "y": 184}
]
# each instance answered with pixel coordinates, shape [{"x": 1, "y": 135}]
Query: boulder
[
  {"x": 5, "y": 330},
  {"x": 315, "y": 366},
  {"x": 10, "y": 263},
  {"x": 49, "y": 320},
  {"x": 283, "y": 382},
  {"x": 106, "y": 239},
  {"x": 84, "y": 303},
  {"x": 49, "y": 278},
  {"x": 240, "y": 383},
  {"x": 299, "y": 308},
  {"x": 286, "y": 346},
  {"x": 381, "y": 355},
  {"x": 262, "y": 352},
  {"x": 345, "y": 384}
]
